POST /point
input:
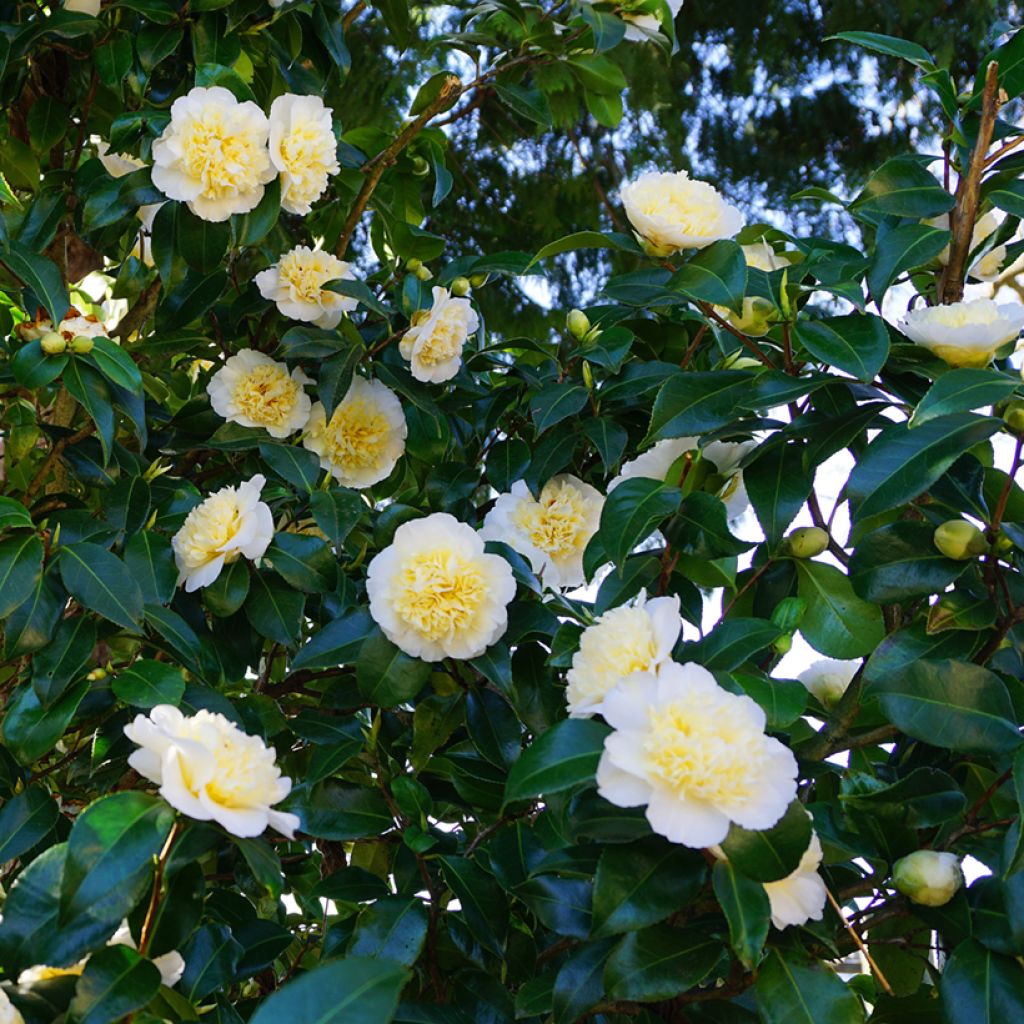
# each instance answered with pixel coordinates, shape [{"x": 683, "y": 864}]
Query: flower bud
[
  {"x": 478, "y": 280},
  {"x": 807, "y": 542},
  {"x": 420, "y": 166},
  {"x": 741, "y": 361},
  {"x": 413, "y": 265},
  {"x": 783, "y": 644},
  {"x": 96, "y": 675},
  {"x": 81, "y": 345},
  {"x": 960, "y": 540},
  {"x": 460, "y": 287},
  {"x": 1013, "y": 417},
  {"x": 423, "y": 273},
  {"x": 928, "y": 877},
  {"x": 577, "y": 323},
  {"x": 52, "y": 344}
]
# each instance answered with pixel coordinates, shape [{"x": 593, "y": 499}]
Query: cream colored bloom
[
  {"x": 928, "y": 877},
  {"x": 827, "y": 679},
  {"x": 642, "y": 27},
  {"x": 964, "y": 333},
  {"x": 253, "y": 390},
  {"x": 213, "y": 155},
  {"x": 296, "y": 283},
  {"x": 365, "y": 436},
  {"x": 117, "y": 165},
  {"x": 552, "y": 531},
  {"x": 694, "y": 754},
  {"x": 436, "y": 593},
  {"x": 9, "y": 1013},
  {"x": 303, "y": 148},
  {"x": 671, "y": 211},
  {"x": 433, "y": 344},
  {"x": 727, "y": 484},
  {"x": 210, "y": 770},
  {"x": 230, "y": 524},
  {"x": 799, "y": 897},
  {"x": 90, "y": 7},
  {"x": 638, "y": 637}
]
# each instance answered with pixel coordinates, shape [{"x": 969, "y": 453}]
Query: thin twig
[
  {"x": 55, "y": 452},
  {"x": 149, "y": 924},
  {"x": 882, "y": 980}
]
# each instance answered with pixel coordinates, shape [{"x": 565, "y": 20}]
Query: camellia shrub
[{"x": 365, "y": 660}]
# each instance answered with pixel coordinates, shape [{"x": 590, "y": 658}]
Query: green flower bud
[
  {"x": 413, "y": 265},
  {"x": 807, "y": 542},
  {"x": 928, "y": 877},
  {"x": 420, "y": 166},
  {"x": 52, "y": 344},
  {"x": 81, "y": 345},
  {"x": 577, "y": 323},
  {"x": 1013, "y": 417},
  {"x": 423, "y": 273},
  {"x": 460, "y": 287},
  {"x": 784, "y": 644},
  {"x": 960, "y": 540},
  {"x": 1002, "y": 545},
  {"x": 478, "y": 280}
]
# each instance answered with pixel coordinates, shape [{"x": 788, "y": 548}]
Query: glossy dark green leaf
[
  {"x": 337, "y": 511},
  {"x": 56, "y": 666},
  {"x": 387, "y": 675},
  {"x": 115, "y": 364},
  {"x": 632, "y": 512},
  {"x": 773, "y": 853},
  {"x": 902, "y": 187},
  {"x": 393, "y": 928},
  {"x": 563, "y": 757},
  {"x": 963, "y": 390},
  {"x": 41, "y": 277},
  {"x": 150, "y": 560},
  {"x": 146, "y": 683},
  {"x": 102, "y": 583},
  {"x": 483, "y": 903},
  {"x": 778, "y": 482},
  {"x": 116, "y": 981},
  {"x": 901, "y": 249},
  {"x": 229, "y": 590},
  {"x": 274, "y": 609},
  {"x": 694, "y": 403},
  {"x": 21, "y": 565},
  {"x": 13, "y": 515},
  {"x": 338, "y": 643},
  {"x": 555, "y": 403},
  {"x": 659, "y": 963},
  {"x": 857, "y": 343},
  {"x": 211, "y": 957},
  {"x": 837, "y": 622},
  {"x": 91, "y": 390},
  {"x": 579, "y": 984},
  {"x": 298, "y": 466},
  {"x": 745, "y": 905},
  {"x": 201, "y": 242},
  {"x": 33, "y": 369},
  {"x": 331, "y": 810},
  {"x": 26, "y": 819},
  {"x": 30, "y": 729},
  {"x": 981, "y": 987},
  {"x": 790, "y": 991},
  {"x": 305, "y": 561},
  {"x": 717, "y": 275}
]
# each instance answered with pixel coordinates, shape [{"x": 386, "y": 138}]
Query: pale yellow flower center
[
  {"x": 267, "y": 395},
  {"x": 208, "y": 528},
  {"x": 445, "y": 340},
  {"x": 557, "y": 523},
  {"x": 962, "y": 314},
  {"x": 307, "y": 153},
  {"x": 621, "y": 643},
  {"x": 693, "y": 206},
  {"x": 306, "y": 273},
  {"x": 44, "y": 972},
  {"x": 357, "y": 435},
  {"x": 227, "y": 161},
  {"x": 699, "y": 747},
  {"x": 440, "y": 593}
]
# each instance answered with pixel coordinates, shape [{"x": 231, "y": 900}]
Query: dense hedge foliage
[{"x": 364, "y": 660}]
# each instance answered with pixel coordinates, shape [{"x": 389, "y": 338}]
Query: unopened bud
[
  {"x": 1013, "y": 417},
  {"x": 577, "y": 323},
  {"x": 52, "y": 344},
  {"x": 478, "y": 280},
  {"x": 423, "y": 273},
  {"x": 460, "y": 287},
  {"x": 420, "y": 166},
  {"x": 807, "y": 542},
  {"x": 588, "y": 376},
  {"x": 784, "y": 644},
  {"x": 81, "y": 345},
  {"x": 960, "y": 540},
  {"x": 413, "y": 265},
  {"x": 96, "y": 675},
  {"x": 928, "y": 877}
]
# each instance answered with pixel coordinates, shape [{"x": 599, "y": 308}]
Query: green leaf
[
  {"x": 483, "y": 903},
  {"x": 338, "y": 643},
  {"x": 147, "y": 683},
  {"x": 639, "y": 884},
  {"x": 778, "y": 482},
  {"x": 902, "y": 187},
  {"x": 21, "y": 565},
  {"x": 30, "y": 626},
  {"x": 696, "y": 403},
  {"x": 394, "y": 928},
  {"x": 901, "y": 463},
  {"x": 732, "y": 643},
  {"x": 716, "y": 275},
  {"x": 923, "y": 799},
  {"x": 116, "y": 981},
  {"x": 857, "y": 343},
  {"x": 348, "y": 991},
  {"x": 304, "y": 561},
  {"x": 337, "y": 512},
  {"x": 837, "y": 622},
  {"x": 659, "y": 963},
  {"x": 1008, "y": 197},
  {"x": 211, "y": 957},
  {"x": 331, "y": 810},
  {"x": 386, "y": 675},
  {"x": 188, "y": 301},
  {"x": 768, "y": 855},
  {"x": 900, "y": 562},
  {"x": 891, "y": 46},
  {"x": 298, "y": 466},
  {"x": 598, "y": 74},
  {"x": 101, "y": 582},
  {"x": 229, "y": 590},
  {"x": 201, "y": 242},
  {"x": 274, "y": 610},
  {"x": 583, "y": 240},
  {"x": 981, "y": 987},
  {"x": 13, "y": 515},
  {"x": 745, "y": 905},
  {"x": 632, "y": 512},
  {"x": 555, "y": 403},
  {"x": 579, "y": 983},
  {"x": 41, "y": 277},
  {"x": 31, "y": 730},
  {"x": 61, "y": 662},
  {"x": 115, "y": 364},
  {"x": 903, "y": 248},
  {"x": 563, "y": 757},
  {"x": 89, "y": 388},
  {"x": 963, "y": 390},
  {"x": 32, "y": 369},
  {"x": 111, "y": 852},
  {"x": 791, "y": 992},
  {"x": 25, "y": 820},
  {"x": 950, "y": 704},
  {"x": 150, "y": 561}
]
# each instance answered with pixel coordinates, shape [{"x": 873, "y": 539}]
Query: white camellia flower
[
  {"x": 296, "y": 283},
  {"x": 117, "y": 165},
  {"x": 755, "y": 318},
  {"x": 642, "y": 27},
  {"x": 827, "y": 679},
  {"x": 436, "y": 593},
  {"x": 213, "y": 155},
  {"x": 433, "y": 344},
  {"x": 964, "y": 333},
  {"x": 365, "y": 436},
  {"x": 231, "y": 523},
  {"x": 799, "y": 897},
  {"x": 671, "y": 211},
  {"x": 990, "y": 265},
  {"x": 210, "y": 770},
  {"x": 74, "y": 325},
  {"x": 253, "y": 390},
  {"x": 552, "y": 530},
  {"x": 9, "y": 1013},
  {"x": 303, "y": 149},
  {"x": 90, "y": 7},
  {"x": 638, "y": 637},
  {"x": 696, "y": 755},
  {"x": 726, "y": 456},
  {"x": 930, "y": 878}
]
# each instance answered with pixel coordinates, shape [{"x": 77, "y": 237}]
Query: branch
[
  {"x": 139, "y": 313},
  {"x": 55, "y": 452}
]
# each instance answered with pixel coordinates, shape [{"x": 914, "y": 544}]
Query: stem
[
  {"x": 748, "y": 344},
  {"x": 149, "y": 924},
  {"x": 882, "y": 980},
  {"x": 55, "y": 452}
]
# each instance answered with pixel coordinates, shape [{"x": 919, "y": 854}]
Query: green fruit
[
  {"x": 784, "y": 644},
  {"x": 960, "y": 540},
  {"x": 81, "y": 345},
  {"x": 413, "y": 265},
  {"x": 478, "y": 280},
  {"x": 1013, "y": 417},
  {"x": 460, "y": 287},
  {"x": 53, "y": 344},
  {"x": 807, "y": 542},
  {"x": 423, "y": 273}
]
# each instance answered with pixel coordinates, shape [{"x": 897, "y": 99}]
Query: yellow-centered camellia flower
[
  {"x": 253, "y": 390},
  {"x": 365, "y": 436},
  {"x": 827, "y": 679},
  {"x": 303, "y": 148},
  {"x": 965, "y": 333},
  {"x": 210, "y": 770},
  {"x": 230, "y": 524},
  {"x": 552, "y": 530},
  {"x": 799, "y": 897},
  {"x": 694, "y": 754},
  {"x": 296, "y": 283},
  {"x": 634, "y": 638},
  {"x": 436, "y": 593},
  {"x": 433, "y": 344},
  {"x": 671, "y": 211},
  {"x": 213, "y": 155}
]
